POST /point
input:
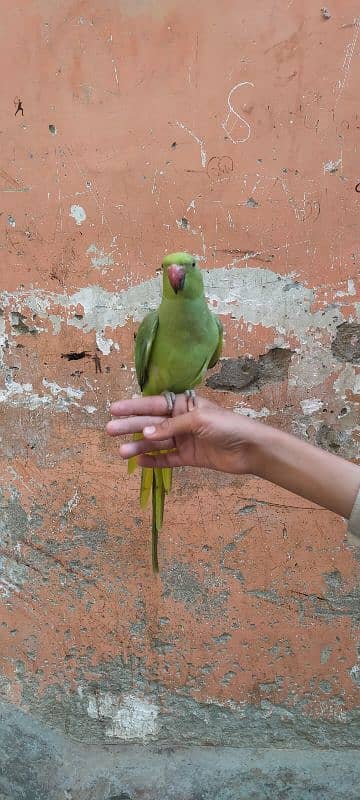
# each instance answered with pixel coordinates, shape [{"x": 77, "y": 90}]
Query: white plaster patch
[
  {"x": 314, "y": 365},
  {"x": 351, "y": 290},
  {"x": 78, "y": 213},
  {"x": 130, "y": 717},
  {"x": 311, "y": 405},
  {"x": 332, "y": 166},
  {"x": 12, "y": 576},
  {"x": 103, "y": 344},
  {"x": 55, "y": 389},
  {"x": 348, "y": 379},
  {"x": 99, "y": 258},
  {"x": 21, "y": 395},
  {"x": 73, "y": 502},
  {"x": 251, "y": 412},
  {"x": 351, "y": 287},
  {"x": 2, "y": 338},
  {"x": 253, "y": 295},
  {"x": 355, "y": 673},
  {"x": 13, "y": 389}
]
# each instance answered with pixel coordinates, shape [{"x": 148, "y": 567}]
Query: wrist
[{"x": 262, "y": 450}]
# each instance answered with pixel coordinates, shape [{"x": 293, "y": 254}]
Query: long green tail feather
[
  {"x": 145, "y": 486},
  {"x": 158, "y": 499},
  {"x": 154, "y": 531},
  {"x": 157, "y": 482},
  {"x": 167, "y": 479}
]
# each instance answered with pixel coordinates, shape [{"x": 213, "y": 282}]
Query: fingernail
[{"x": 149, "y": 430}]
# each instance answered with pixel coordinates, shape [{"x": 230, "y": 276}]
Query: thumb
[{"x": 174, "y": 426}]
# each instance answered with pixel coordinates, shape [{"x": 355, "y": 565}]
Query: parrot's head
[{"x": 182, "y": 278}]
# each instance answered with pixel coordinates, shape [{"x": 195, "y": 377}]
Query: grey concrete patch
[
  {"x": 182, "y": 583},
  {"x": 249, "y": 375},
  {"x": 95, "y": 714},
  {"x": 14, "y": 522},
  {"x": 38, "y": 763},
  {"x": 331, "y": 438},
  {"x": 346, "y": 344}
]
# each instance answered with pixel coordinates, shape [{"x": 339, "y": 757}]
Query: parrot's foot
[
  {"x": 190, "y": 399},
  {"x": 170, "y": 398}
]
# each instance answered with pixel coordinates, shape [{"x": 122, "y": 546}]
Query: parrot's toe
[
  {"x": 190, "y": 399},
  {"x": 170, "y": 398}
]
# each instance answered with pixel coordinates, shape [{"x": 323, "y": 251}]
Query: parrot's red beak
[{"x": 176, "y": 275}]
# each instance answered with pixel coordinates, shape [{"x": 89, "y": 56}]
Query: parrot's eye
[{"x": 193, "y": 264}]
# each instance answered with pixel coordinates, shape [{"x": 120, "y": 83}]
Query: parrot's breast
[{"x": 181, "y": 352}]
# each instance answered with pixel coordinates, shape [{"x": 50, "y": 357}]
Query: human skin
[{"x": 209, "y": 436}]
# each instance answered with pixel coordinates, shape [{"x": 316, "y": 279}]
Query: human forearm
[
  {"x": 305, "y": 470},
  {"x": 211, "y": 437}
]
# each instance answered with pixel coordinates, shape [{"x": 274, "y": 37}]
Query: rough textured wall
[{"x": 129, "y": 129}]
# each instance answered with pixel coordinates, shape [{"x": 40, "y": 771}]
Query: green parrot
[{"x": 174, "y": 347}]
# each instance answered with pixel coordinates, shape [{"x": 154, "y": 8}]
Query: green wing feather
[
  {"x": 217, "y": 353},
  {"x": 143, "y": 345},
  {"x": 144, "y": 341}
]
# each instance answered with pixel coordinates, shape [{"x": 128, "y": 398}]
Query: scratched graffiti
[
  {"x": 200, "y": 142},
  {"x": 235, "y": 126},
  {"x": 348, "y": 57},
  {"x": 220, "y": 167}
]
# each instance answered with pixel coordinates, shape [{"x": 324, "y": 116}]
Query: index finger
[{"x": 140, "y": 406}]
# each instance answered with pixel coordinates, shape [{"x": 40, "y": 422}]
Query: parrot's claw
[
  {"x": 170, "y": 398},
  {"x": 190, "y": 399}
]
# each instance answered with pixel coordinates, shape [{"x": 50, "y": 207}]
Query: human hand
[
  {"x": 207, "y": 436},
  {"x": 210, "y": 436}
]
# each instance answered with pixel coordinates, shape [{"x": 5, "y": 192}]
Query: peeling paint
[{"x": 253, "y": 295}]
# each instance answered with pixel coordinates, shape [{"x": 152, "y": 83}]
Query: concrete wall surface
[{"x": 129, "y": 128}]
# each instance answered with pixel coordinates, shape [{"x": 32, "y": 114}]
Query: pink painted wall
[{"x": 231, "y": 131}]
